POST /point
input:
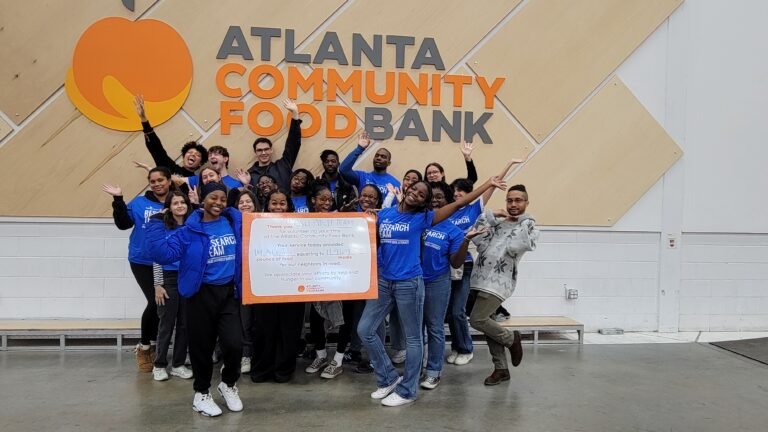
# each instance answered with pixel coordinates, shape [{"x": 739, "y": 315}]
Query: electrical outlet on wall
[{"x": 571, "y": 293}]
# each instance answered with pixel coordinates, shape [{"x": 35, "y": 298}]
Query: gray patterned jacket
[{"x": 499, "y": 252}]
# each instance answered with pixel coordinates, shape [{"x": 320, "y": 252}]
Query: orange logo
[
  {"x": 301, "y": 288},
  {"x": 117, "y": 58}
]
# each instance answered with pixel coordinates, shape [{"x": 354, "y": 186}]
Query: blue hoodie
[{"x": 190, "y": 245}]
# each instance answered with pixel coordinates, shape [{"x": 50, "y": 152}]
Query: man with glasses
[
  {"x": 282, "y": 168},
  {"x": 506, "y": 235}
]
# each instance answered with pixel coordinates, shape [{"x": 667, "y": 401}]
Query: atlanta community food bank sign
[{"x": 103, "y": 79}]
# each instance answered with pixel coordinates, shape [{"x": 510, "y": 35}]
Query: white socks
[
  {"x": 322, "y": 353},
  {"x": 338, "y": 358}
]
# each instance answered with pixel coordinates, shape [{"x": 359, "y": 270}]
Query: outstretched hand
[
  {"x": 472, "y": 233},
  {"x": 113, "y": 190},
  {"x": 243, "y": 176},
  {"x": 363, "y": 139},
  {"x": 193, "y": 197},
  {"x": 498, "y": 182},
  {"x": 502, "y": 213},
  {"x": 138, "y": 101},
  {"x": 466, "y": 150},
  {"x": 138, "y": 164},
  {"x": 292, "y": 107}
]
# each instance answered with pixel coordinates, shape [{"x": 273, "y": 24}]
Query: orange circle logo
[
  {"x": 116, "y": 59},
  {"x": 301, "y": 288}
]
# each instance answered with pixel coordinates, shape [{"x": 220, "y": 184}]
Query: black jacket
[
  {"x": 282, "y": 168},
  {"x": 344, "y": 192},
  {"x": 159, "y": 155}
]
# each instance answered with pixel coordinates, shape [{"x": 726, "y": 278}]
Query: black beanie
[{"x": 212, "y": 186}]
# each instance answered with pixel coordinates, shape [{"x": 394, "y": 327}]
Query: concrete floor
[{"x": 649, "y": 387}]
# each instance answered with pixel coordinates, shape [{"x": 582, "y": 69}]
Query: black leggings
[
  {"x": 352, "y": 310},
  {"x": 149, "y": 319}
]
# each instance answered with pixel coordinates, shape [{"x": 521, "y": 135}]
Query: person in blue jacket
[
  {"x": 136, "y": 215},
  {"x": 400, "y": 231},
  {"x": 208, "y": 248},
  {"x": 379, "y": 176}
]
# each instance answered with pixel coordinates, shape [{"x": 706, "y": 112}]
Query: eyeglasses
[
  {"x": 516, "y": 201},
  {"x": 263, "y": 150}
]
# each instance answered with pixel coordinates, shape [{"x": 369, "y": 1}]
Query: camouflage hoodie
[{"x": 499, "y": 252}]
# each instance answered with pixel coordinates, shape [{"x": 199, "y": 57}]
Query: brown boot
[
  {"x": 496, "y": 377},
  {"x": 516, "y": 350},
  {"x": 144, "y": 359}
]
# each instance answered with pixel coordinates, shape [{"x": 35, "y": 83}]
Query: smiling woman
[
  {"x": 211, "y": 236},
  {"x": 136, "y": 215}
]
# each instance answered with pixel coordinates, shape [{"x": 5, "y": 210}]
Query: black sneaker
[
  {"x": 352, "y": 357},
  {"x": 363, "y": 368}
]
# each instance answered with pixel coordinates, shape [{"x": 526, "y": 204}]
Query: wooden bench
[
  {"x": 65, "y": 329},
  {"x": 535, "y": 324}
]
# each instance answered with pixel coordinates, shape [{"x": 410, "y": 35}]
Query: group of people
[{"x": 185, "y": 253}]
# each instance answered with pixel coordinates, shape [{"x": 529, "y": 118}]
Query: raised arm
[
  {"x": 466, "y": 151},
  {"x": 155, "y": 147},
  {"x": 293, "y": 142},
  {"x": 446, "y": 211},
  {"x": 487, "y": 194},
  {"x": 120, "y": 213},
  {"x": 350, "y": 175}
]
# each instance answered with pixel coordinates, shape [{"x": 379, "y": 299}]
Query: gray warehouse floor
[{"x": 648, "y": 387}]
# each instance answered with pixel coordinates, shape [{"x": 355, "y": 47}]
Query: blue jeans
[
  {"x": 436, "y": 294},
  {"x": 408, "y": 295},
  {"x": 461, "y": 340}
]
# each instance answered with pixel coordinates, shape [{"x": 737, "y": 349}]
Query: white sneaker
[
  {"x": 159, "y": 374},
  {"x": 204, "y": 404},
  {"x": 451, "y": 359},
  {"x": 430, "y": 383},
  {"x": 230, "y": 397},
  {"x": 317, "y": 365},
  {"x": 399, "y": 357},
  {"x": 182, "y": 372},
  {"x": 395, "y": 399},
  {"x": 463, "y": 359},
  {"x": 383, "y": 392},
  {"x": 332, "y": 370},
  {"x": 245, "y": 365}
]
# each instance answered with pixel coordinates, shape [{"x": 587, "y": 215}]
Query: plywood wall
[{"x": 555, "y": 53}]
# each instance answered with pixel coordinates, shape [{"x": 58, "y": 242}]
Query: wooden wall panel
[
  {"x": 37, "y": 39},
  {"x": 446, "y": 21},
  {"x": 556, "y": 52},
  {"x": 55, "y": 166},
  {"x": 5, "y": 128},
  {"x": 204, "y": 23},
  {"x": 411, "y": 153},
  {"x": 599, "y": 164}
]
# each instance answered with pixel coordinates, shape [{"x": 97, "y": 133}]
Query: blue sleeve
[
  {"x": 456, "y": 236},
  {"x": 192, "y": 181},
  {"x": 345, "y": 168},
  {"x": 162, "y": 249}
]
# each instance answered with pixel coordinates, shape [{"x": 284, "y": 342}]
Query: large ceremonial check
[{"x": 301, "y": 257}]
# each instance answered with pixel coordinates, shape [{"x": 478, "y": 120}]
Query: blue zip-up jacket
[
  {"x": 189, "y": 245},
  {"x": 136, "y": 215}
]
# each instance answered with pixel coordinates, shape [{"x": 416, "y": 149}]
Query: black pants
[
  {"x": 214, "y": 312},
  {"x": 316, "y": 328},
  {"x": 246, "y": 320},
  {"x": 352, "y": 310},
  {"x": 275, "y": 335},
  {"x": 172, "y": 314},
  {"x": 149, "y": 321}
]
